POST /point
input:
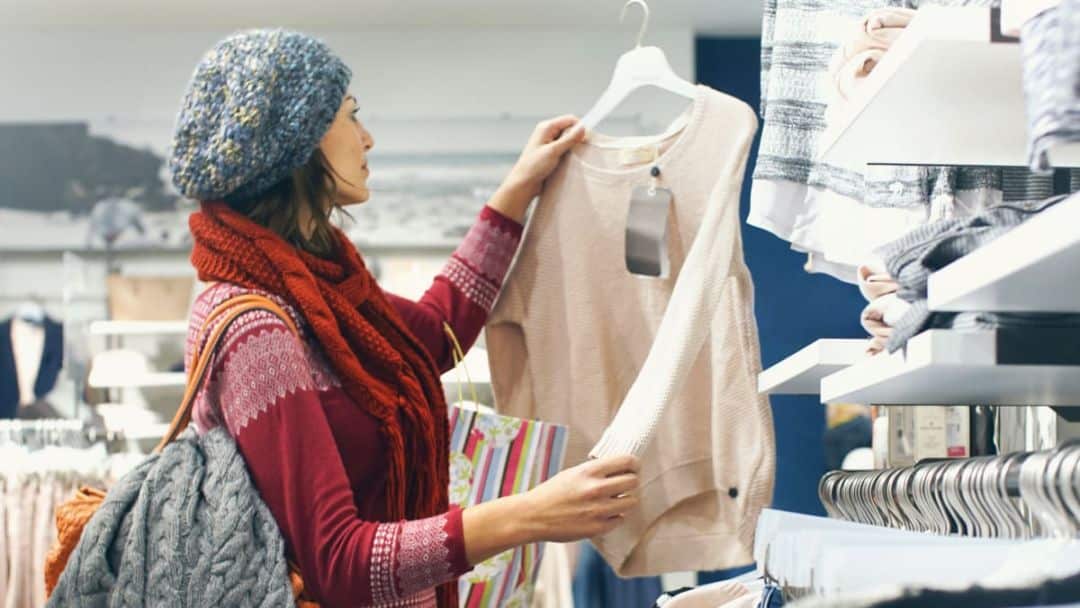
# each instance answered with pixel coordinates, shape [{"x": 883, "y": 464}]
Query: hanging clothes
[
  {"x": 30, "y": 360},
  {"x": 572, "y": 329},
  {"x": 1051, "y": 52},
  {"x": 596, "y": 585},
  {"x": 555, "y": 581},
  {"x": 33, "y": 483},
  {"x": 1048, "y": 592},
  {"x": 838, "y": 213}
]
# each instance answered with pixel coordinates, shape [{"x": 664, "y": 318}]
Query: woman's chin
[{"x": 355, "y": 199}]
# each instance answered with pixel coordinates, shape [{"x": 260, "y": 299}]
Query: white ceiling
[{"x": 732, "y": 17}]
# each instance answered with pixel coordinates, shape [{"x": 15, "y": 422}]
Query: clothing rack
[
  {"x": 42, "y": 464},
  {"x": 57, "y": 432},
  {"x": 944, "y": 523},
  {"x": 820, "y": 556},
  {"x": 1018, "y": 496}
]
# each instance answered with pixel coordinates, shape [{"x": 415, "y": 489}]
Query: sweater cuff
[
  {"x": 430, "y": 552},
  {"x": 497, "y": 219},
  {"x": 455, "y": 541},
  {"x": 480, "y": 264}
]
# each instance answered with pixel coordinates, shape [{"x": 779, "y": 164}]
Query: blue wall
[{"x": 793, "y": 308}]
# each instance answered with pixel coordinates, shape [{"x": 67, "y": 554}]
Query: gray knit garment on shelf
[
  {"x": 184, "y": 528},
  {"x": 1050, "y": 47},
  {"x": 913, "y": 258}
]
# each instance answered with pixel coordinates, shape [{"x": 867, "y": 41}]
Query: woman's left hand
[{"x": 549, "y": 142}]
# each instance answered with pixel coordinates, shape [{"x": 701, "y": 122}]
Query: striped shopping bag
[{"x": 493, "y": 456}]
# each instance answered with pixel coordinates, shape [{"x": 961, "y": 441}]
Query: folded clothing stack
[
  {"x": 885, "y": 308},
  {"x": 913, "y": 258},
  {"x": 858, "y": 57}
]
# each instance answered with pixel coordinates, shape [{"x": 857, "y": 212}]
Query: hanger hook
[{"x": 644, "y": 20}]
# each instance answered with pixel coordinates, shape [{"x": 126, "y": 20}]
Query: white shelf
[
  {"x": 116, "y": 328},
  {"x": 943, "y": 367},
  {"x": 1015, "y": 13},
  {"x": 943, "y": 94},
  {"x": 801, "y": 373},
  {"x": 141, "y": 432},
  {"x": 1027, "y": 269},
  {"x": 147, "y": 380}
]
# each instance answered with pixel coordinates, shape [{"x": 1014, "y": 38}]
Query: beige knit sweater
[{"x": 572, "y": 329}]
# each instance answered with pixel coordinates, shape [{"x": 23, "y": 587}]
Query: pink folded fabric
[
  {"x": 877, "y": 32},
  {"x": 879, "y": 317},
  {"x": 876, "y": 346},
  {"x": 873, "y": 284},
  {"x": 857, "y": 57},
  {"x": 888, "y": 17},
  {"x": 854, "y": 70},
  {"x": 874, "y": 40},
  {"x": 873, "y": 322}
]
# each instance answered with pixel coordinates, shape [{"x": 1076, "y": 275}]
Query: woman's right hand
[{"x": 584, "y": 501}]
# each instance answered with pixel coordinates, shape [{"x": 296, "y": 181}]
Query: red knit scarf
[{"x": 379, "y": 362}]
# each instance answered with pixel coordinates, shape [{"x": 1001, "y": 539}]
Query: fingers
[
  {"x": 619, "y": 485},
  {"x": 548, "y": 130},
  {"x": 569, "y": 138},
  {"x": 606, "y": 525},
  {"x": 614, "y": 465},
  {"x": 619, "y": 506},
  {"x": 612, "y": 514}
]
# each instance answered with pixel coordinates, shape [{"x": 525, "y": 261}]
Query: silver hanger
[{"x": 1018, "y": 496}]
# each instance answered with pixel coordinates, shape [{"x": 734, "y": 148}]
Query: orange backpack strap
[{"x": 228, "y": 311}]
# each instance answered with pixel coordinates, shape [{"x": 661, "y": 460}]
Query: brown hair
[{"x": 310, "y": 186}]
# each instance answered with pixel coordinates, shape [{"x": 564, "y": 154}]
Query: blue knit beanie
[{"x": 255, "y": 110}]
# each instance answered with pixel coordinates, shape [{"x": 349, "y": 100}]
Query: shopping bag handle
[
  {"x": 458, "y": 354},
  {"x": 230, "y": 309}
]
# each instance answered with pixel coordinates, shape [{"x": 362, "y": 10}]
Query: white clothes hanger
[
  {"x": 31, "y": 311},
  {"x": 637, "y": 68}
]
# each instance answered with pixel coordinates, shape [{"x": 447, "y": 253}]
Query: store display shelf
[
  {"x": 141, "y": 432},
  {"x": 147, "y": 380},
  {"x": 129, "y": 328},
  {"x": 988, "y": 367},
  {"x": 801, "y": 373},
  {"x": 1014, "y": 13},
  {"x": 948, "y": 92},
  {"x": 1021, "y": 271}
]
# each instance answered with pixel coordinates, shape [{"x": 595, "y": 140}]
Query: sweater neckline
[{"x": 683, "y": 139}]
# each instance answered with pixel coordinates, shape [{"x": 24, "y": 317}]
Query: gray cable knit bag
[{"x": 185, "y": 528}]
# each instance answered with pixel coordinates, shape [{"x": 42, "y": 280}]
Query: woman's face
[{"x": 345, "y": 147}]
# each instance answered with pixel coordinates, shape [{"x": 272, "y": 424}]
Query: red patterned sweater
[{"x": 318, "y": 460}]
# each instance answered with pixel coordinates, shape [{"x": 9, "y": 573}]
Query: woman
[{"x": 344, "y": 427}]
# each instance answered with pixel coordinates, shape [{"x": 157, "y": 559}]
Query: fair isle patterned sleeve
[
  {"x": 273, "y": 395},
  {"x": 465, "y": 291}
]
